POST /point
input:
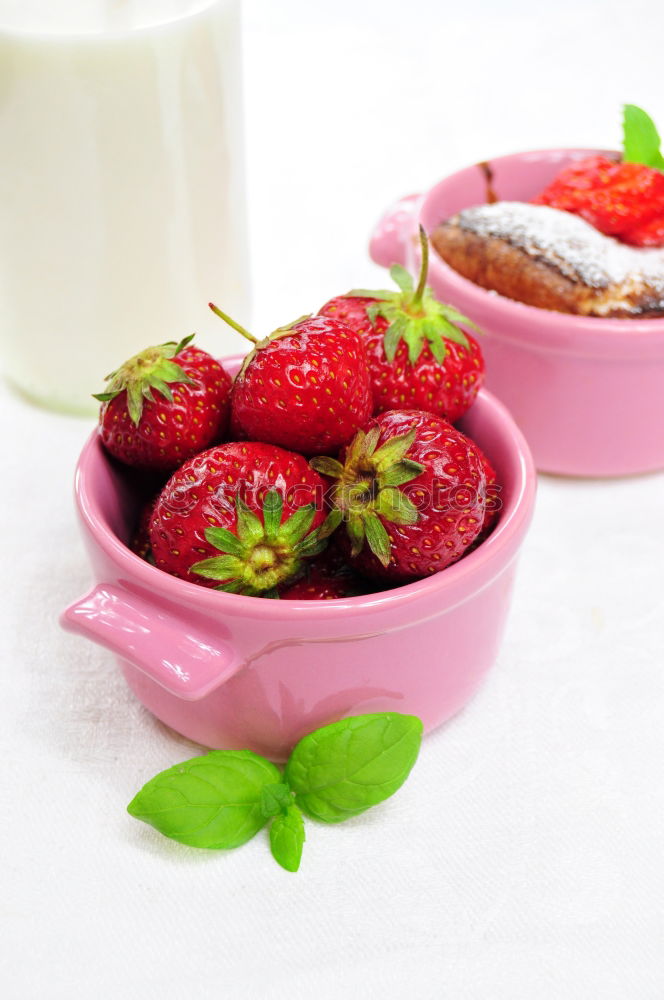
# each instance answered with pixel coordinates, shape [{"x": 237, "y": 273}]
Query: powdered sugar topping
[{"x": 568, "y": 243}]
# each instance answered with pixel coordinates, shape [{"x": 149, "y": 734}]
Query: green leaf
[
  {"x": 401, "y": 472},
  {"x": 310, "y": 546},
  {"x": 273, "y": 506},
  {"x": 211, "y": 801},
  {"x": 232, "y": 587},
  {"x": 394, "y": 449},
  {"x": 249, "y": 528},
  {"x": 103, "y": 397},
  {"x": 275, "y": 799},
  {"x": 347, "y": 767},
  {"x": 454, "y": 316},
  {"x": 641, "y": 141},
  {"x": 402, "y": 278},
  {"x": 327, "y": 466},
  {"x": 225, "y": 541},
  {"x": 287, "y": 839},
  {"x": 218, "y": 568},
  {"x": 355, "y": 449},
  {"x": 355, "y": 529},
  {"x": 371, "y": 440},
  {"x": 415, "y": 340},
  {"x": 365, "y": 293},
  {"x": 377, "y": 538},
  {"x": 170, "y": 371},
  {"x": 135, "y": 402},
  {"x": 159, "y": 386},
  {"x": 330, "y": 524},
  {"x": 297, "y": 525},
  {"x": 393, "y": 335},
  {"x": 184, "y": 343},
  {"x": 395, "y": 506},
  {"x": 452, "y": 332}
]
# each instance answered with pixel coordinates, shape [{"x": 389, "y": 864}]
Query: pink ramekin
[
  {"x": 242, "y": 672},
  {"x": 588, "y": 393}
]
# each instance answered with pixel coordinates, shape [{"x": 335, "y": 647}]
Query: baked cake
[{"x": 552, "y": 259}]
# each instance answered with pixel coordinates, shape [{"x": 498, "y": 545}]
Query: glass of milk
[{"x": 122, "y": 209}]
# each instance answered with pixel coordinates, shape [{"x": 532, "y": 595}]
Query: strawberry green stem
[
  {"x": 424, "y": 268},
  {"x": 231, "y": 322}
]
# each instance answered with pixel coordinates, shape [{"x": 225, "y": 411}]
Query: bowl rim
[
  {"x": 494, "y": 553},
  {"x": 594, "y": 329}
]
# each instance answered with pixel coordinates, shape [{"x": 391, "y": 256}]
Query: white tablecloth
[{"x": 523, "y": 858}]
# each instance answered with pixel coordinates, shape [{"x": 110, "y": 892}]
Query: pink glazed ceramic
[
  {"x": 588, "y": 393},
  {"x": 242, "y": 672}
]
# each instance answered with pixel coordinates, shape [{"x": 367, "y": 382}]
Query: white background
[{"x": 523, "y": 858}]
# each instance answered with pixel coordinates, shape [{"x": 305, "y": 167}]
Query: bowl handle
[
  {"x": 389, "y": 241},
  {"x": 162, "y": 645}
]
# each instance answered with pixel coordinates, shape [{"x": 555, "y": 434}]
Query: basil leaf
[
  {"x": 210, "y": 801},
  {"x": 340, "y": 770},
  {"x": 275, "y": 799},
  {"x": 287, "y": 838},
  {"x": 640, "y": 138}
]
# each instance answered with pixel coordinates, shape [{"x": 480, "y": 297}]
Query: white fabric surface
[{"x": 523, "y": 858}]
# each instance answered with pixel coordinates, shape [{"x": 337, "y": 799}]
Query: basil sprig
[{"x": 222, "y": 799}]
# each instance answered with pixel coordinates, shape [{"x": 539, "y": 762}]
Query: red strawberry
[
  {"x": 403, "y": 534},
  {"x": 305, "y": 387},
  {"x": 328, "y": 576},
  {"x": 164, "y": 405},
  {"x": 418, "y": 357},
  {"x": 493, "y": 502},
  {"x": 625, "y": 200},
  {"x": 240, "y": 517},
  {"x": 140, "y": 540},
  {"x": 571, "y": 185},
  {"x": 647, "y": 234}
]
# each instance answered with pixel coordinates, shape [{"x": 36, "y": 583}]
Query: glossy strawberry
[
  {"x": 305, "y": 387},
  {"x": 625, "y": 200},
  {"x": 492, "y": 495},
  {"x": 327, "y": 577},
  {"x": 411, "y": 491},
  {"x": 140, "y": 540},
  {"x": 571, "y": 186},
  {"x": 418, "y": 356},
  {"x": 620, "y": 197},
  {"x": 164, "y": 405},
  {"x": 241, "y": 517}
]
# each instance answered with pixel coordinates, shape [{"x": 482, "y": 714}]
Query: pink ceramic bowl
[
  {"x": 234, "y": 672},
  {"x": 587, "y": 392}
]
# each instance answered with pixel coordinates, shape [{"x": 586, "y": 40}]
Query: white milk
[{"x": 121, "y": 185}]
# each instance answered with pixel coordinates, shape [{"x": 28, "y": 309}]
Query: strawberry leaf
[
  {"x": 400, "y": 473},
  {"x": 377, "y": 538},
  {"x": 355, "y": 528},
  {"x": 273, "y": 506},
  {"x": 249, "y": 528},
  {"x": 327, "y": 466},
  {"x": 396, "y": 507},
  {"x": 402, "y": 278},
  {"x": 298, "y": 524},
  {"x": 225, "y": 541},
  {"x": 394, "y": 449},
  {"x": 218, "y": 568}
]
